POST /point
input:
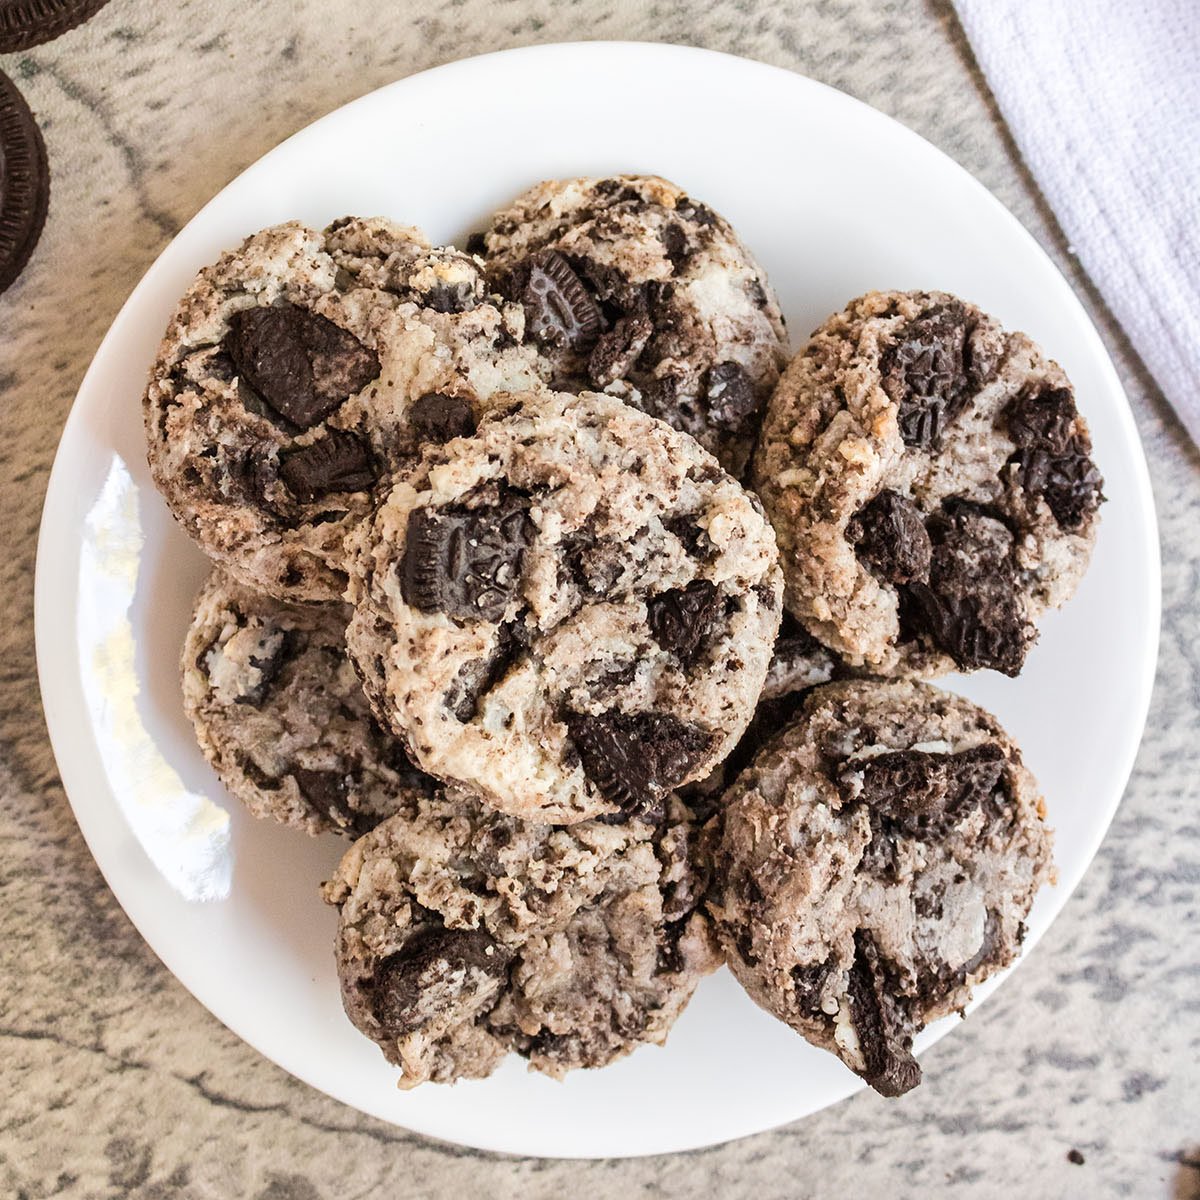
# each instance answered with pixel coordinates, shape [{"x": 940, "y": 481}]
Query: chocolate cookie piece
[
  {"x": 305, "y": 368},
  {"x": 28, "y": 23},
  {"x": 874, "y": 862},
  {"x": 930, "y": 481},
  {"x": 24, "y": 181},
  {"x": 570, "y": 612},
  {"x": 281, "y": 715},
  {"x": 631, "y": 286},
  {"x": 465, "y": 935}
]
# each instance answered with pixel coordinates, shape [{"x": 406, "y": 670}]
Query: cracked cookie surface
[
  {"x": 877, "y": 860},
  {"x": 930, "y": 481},
  {"x": 570, "y": 612}
]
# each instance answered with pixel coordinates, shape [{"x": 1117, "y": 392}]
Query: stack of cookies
[{"x": 503, "y": 540}]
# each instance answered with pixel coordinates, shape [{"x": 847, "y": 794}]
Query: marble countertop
[{"x": 114, "y": 1082}]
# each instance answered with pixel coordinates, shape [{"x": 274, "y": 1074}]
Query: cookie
[
  {"x": 465, "y": 934},
  {"x": 300, "y": 371},
  {"x": 875, "y": 862},
  {"x": 26, "y": 23},
  {"x": 24, "y": 181},
  {"x": 931, "y": 484},
  {"x": 570, "y": 612},
  {"x": 631, "y": 286},
  {"x": 281, "y": 716}
]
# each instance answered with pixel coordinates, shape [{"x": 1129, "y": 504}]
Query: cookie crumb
[{"x": 1073, "y": 1156}]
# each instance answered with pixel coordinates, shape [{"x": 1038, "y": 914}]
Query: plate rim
[{"x": 58, "y": 671}]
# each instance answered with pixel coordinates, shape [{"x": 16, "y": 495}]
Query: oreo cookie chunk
[
  {"x": 281, "y": 716},
  {"x": 465, "y": 934},
  {"x": 931, "y": 483},
  {"x": 26, "y": 23},
  {"x": 570, "y": 612},
  {"x": 24, "y": 181},
  {"x": 875, "y": 862},
  {"x": 300, "y": 371},
  {"x": 631, "y": 286}
]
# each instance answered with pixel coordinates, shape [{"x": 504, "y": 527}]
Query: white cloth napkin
[{"x": 1103, "y": 99}]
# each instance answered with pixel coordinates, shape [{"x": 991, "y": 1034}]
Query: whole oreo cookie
[
  {"x": 25, "y": 23},
  {"x": 24, "y": 180}
]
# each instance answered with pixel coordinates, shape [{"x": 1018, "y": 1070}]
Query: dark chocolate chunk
[
  {"x": 924, "y": 372},
  {"x": 24, "y": 171},
  {"x": 676, "y": 245},
  {"x": 436, "y": 417},
  {"x": 884, "y": 1035},
  {"x": 1053, "y": 457},
  {"x": 616, "y": 351},
  {"x": 466, "y": 562},
  {"x": 27, "y": 24},
  {"x": 808, "y": 981},
  {"x": 338, "y": 462},
  {"x": 969, "y": 607},
  {"x": 924, "y": 794},
  {"x": 256, "y": 775},
  {"x": 327, "y": 791},
  {"x": 560, "y": 310},
  {"x": 302, "y": 364},
  {"x": 1076, "y": 1158},
  {"x": 409, "y": 986},
  {"x": 730, "y": 394},
  {"x": 635, "y": 759},
  {"x": 889, "y": 537},
  {"x": 681, "y": 618},
  {"x": 476, "y": 244}
]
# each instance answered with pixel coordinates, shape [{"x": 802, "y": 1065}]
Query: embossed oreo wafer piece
[
  {"x": 874, "y": 862},
  {"x": 570, "y": 612},
  {"x": 26, "y": 23},
  {"x": 24, "y": 182}
]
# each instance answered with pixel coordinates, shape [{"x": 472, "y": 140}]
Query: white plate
[{"x": 835, "y": 199}]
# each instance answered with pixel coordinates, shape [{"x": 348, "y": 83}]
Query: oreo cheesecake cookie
[
  {"x": 465, "y": 935},
  {"x": 631, "y": 286},
  {"x": 570, "y": 612},
  {"x": 281, "y": 716},
  {"x": 930, "y": 480},
  {"x": 873, "y": 864},
  {"x": 300, "y": 371}
]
